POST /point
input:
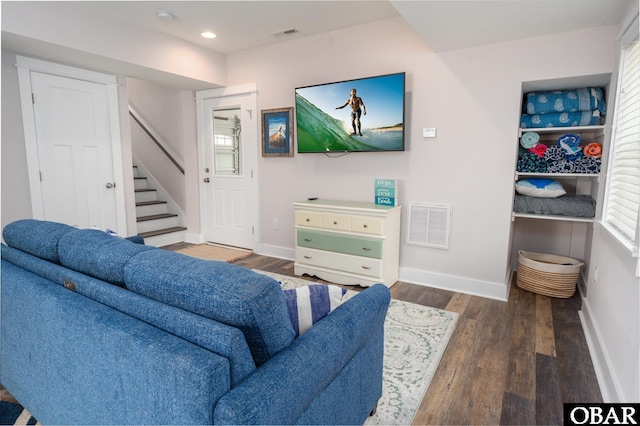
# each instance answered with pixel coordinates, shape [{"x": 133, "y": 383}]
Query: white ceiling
[
  {"x": 241, "y": 25},
  {"x": 444, "y": 25}
]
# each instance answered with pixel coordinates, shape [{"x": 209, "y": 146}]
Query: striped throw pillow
[{"x": 309, "y": 304}]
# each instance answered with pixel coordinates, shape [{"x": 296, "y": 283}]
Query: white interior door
[
  {"x": 230, "y": 156},
  {"x": 73, "y": 139}
]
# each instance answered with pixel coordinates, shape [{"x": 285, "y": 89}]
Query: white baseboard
[
  {"x": 193, "y": 238},
  {"x": 498, "y": 291},
  {"x": 599, "y": 356},
  {"x": 276, "y": 251},
  {"x": 490, "y": 290}
]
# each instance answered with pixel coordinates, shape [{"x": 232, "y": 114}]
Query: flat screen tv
[{"x": 360, "y": 115}]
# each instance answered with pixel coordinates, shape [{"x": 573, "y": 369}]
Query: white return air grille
[{"x": 429, "y": 225}]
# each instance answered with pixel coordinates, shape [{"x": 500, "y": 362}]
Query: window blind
[{"x": 622, "y": 205}]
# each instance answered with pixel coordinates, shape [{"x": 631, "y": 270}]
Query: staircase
[{"x": 156, "y": 223}]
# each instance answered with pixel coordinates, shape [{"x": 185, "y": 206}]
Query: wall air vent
[
  {"x": 285, "y": 33},
  {"x": 429, "y": 225}
]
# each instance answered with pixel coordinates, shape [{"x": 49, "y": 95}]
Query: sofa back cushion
[
  {"x": 98, "y": 254},
  {"x": 211, "y": 335},
  {"x": 36, "y": 237},
  {"x": 227, "y": 293},
  {"x": 89, "y": 251}
]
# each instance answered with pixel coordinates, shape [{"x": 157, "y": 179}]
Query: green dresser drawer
[{"x": 340, "y": 243}]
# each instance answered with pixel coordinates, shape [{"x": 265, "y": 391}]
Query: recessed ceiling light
[
  {"x": 165, "y": 15},
  {"x": 208, "y": 34}
]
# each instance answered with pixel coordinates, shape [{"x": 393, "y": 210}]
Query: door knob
[
  {"x": 206, "y": 180},
  {"x": 110, "y": 185}
]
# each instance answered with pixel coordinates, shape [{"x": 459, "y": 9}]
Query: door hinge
[
  {"x": 33, "y": 98},
  {"x": 253, "y": 230},
  {"x": 40, "y": 176},
  {"x": 251, "y": 173}
]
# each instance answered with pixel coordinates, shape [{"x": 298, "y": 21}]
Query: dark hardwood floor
[{"x": 511, "y": 363}]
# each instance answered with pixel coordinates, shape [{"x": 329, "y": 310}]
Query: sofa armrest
[{"x": 282, "y": 389}]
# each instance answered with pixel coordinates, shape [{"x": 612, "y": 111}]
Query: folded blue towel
[
  {"x": 587, "y": 164},
  {"x": 561, "y": 119},
  {"x": 561, "y": 166},
  {"x": 531, "y": 163},
  {"x": 547, "y": 102},
  {"x": 554, "y": 153}
]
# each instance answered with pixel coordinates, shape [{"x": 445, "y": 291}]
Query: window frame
[{"x": 631, "y": 244}]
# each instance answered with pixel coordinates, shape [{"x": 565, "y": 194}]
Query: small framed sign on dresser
[{"x": 347, "y": 242}]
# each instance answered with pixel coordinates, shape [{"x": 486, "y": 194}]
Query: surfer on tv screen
[{"x": 357, "y": 109}]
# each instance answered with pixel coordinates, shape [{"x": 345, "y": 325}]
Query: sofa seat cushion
[
  {"x": 36, "y": 237},
  {"x": 98, "y": 254},
  {"x": 227, "y": 293}
]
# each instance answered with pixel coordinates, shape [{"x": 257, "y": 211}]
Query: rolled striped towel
[
  {"x": 529, "y": 140},
  {"x": 310, "y": 303}
]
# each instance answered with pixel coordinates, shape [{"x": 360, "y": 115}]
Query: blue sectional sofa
[{"x": 100, "y": 330}]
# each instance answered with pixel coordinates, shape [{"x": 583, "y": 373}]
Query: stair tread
[
  {"x": 139, "y": 177},
  {"x": 162, "y": 231},
  {"x": 149, "y": 203},
  {"x": 145, "y": 190},
  {"x": 155, "y": 216}
]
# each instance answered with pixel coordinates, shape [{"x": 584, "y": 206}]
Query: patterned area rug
[
  {"x": 13, "y": 414},
  {"x": 211, "y": 252},
  {"x": 416, "y": 337}
]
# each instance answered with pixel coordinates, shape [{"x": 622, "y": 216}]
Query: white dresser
[{"x": 347, "y": 242}]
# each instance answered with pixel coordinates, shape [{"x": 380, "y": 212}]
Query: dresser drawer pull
[
  {"x": 307, "y": 257},
  {"x": 308, "y": 220},
  {"x": 335, "y": 222},
  {"x": 308, "y": 240},
  {"x": 365, "y": 226},
  {"x": 366, "y": 248},
  {"x": 366, "y": 267}
]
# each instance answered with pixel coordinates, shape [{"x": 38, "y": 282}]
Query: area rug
[
  {"x": 416, "y": 337},
  {"x": 13, "y": 414},
  {"x": 212, "y": 252}
]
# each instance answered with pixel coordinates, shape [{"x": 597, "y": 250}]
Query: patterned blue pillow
[
  {"x": 540, "y": 187},
  {"x": 309, "y": 304}
]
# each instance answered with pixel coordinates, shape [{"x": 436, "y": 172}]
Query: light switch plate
[{"x": 429, "y": 132}]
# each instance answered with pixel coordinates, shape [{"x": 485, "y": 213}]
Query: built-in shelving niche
[{"x": 557, "y": 235}]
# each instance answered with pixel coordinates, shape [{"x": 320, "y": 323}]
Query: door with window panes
[{"x": 230, "y": 156}]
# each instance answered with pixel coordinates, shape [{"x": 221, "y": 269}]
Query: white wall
[
  {"x": 161, "y": 107},
  {"x": 612, "y": 319},
  {"x": 16, "y": 198},
  {"x": 472, "y": 96},
  {"x": 611, "y": 306},
  {"x": 171, "y": 113}
]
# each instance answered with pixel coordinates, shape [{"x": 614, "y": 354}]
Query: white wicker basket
[{"x": 548, "y": 274}]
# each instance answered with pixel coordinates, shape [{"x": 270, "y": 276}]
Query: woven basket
[{"x": 548, "y": 274}]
